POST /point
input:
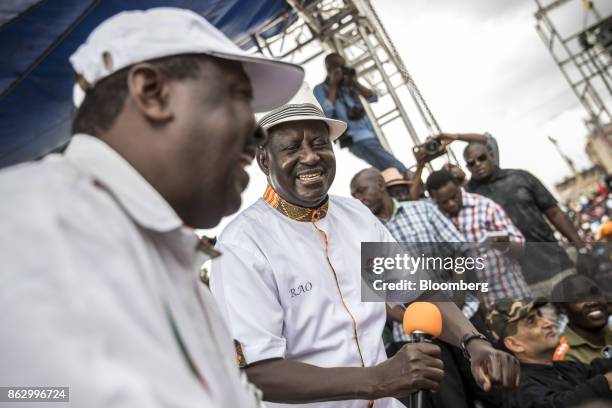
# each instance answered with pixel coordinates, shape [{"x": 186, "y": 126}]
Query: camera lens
[{"x": 432, "y": 146}]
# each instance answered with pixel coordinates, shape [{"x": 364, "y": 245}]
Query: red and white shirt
[{"x": 478, "y": 217}]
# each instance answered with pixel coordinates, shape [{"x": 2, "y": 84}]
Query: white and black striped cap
[{"x": 303, "y": 106}]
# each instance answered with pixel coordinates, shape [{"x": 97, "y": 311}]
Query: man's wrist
[
  {"x": 472, "y": 343},
  {"x": 369, "y": 386}
]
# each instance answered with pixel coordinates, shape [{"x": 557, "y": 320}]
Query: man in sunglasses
[{"x": 530, "y": 205}]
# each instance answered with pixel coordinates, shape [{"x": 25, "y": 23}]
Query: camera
[
  {"x": 355, "y": 112},
  {"x": 432, "y": 148}
]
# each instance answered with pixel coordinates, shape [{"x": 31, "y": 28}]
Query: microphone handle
[
  {"x": 421, "y": 337},
  {"x": 417, "y": 399}
]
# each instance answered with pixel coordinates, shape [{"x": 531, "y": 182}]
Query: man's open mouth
[
  {"x": 310, "y": 177},
  {"x": 595, "y": 314}
]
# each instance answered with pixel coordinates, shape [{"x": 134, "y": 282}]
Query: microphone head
[{"x": 423, "y": 317}]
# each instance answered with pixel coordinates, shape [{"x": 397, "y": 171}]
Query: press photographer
[{"x": 339, "y": 97}]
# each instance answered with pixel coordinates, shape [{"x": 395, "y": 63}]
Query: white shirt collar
[{"x": 137, "y": 197}]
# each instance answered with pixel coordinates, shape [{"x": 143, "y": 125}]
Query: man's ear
[
  {"x": 149, "y": 89},
  {"x": 513, "y": 344},
  {"x": 262, "y": 160}
]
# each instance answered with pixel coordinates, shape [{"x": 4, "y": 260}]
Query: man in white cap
[
  {"x": 288, "y": 287},
  {"x": 99, "y": 289}
]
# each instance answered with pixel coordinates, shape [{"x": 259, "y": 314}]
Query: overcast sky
[{"x": 481, "y": 67}]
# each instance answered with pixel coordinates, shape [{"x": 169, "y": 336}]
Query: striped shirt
[
  {"x": 420, "y": 221},
  {"x": 478, "y": 217}
]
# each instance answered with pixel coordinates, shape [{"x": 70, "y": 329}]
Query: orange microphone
[{"x": 423, "y": 323}]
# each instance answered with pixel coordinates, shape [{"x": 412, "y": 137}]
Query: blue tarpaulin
[{"x": 36, "y": 39}]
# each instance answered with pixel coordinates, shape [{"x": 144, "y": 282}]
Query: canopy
[{"x": 38, "y": 36}]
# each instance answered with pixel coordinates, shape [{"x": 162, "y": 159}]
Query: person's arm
[
  {"x": 490, "y": 367},
  {"x": 548, "y": 205},
  {"x": 367, "y": 93},
  {"x": 415, "y": 367},
  {"x": 464, "y": 137},
  {"x": 485, "y": 138},
  {"x": 395, "y": 313},
  {"x": 329, "y": 108},
  {"x": 416, "y": 188},
  {"x": 563, "y": 224},
  {"x": 502, "y": 222}
]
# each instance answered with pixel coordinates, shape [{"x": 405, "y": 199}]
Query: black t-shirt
[
  {"x": 525, "y": 199},
  {"x": 564, "y": 384}
]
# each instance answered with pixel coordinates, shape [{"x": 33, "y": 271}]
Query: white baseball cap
[
  {"x": 131, "y": 37},
  {"x": 303, "y": 106}
]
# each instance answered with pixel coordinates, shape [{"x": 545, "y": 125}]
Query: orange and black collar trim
[{"x": 292, "y": 211}]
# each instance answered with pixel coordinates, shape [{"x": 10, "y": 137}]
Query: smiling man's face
[
  {"x": 299, "y": 161},
  {"x": 535, "y": 335},
  {"x": 590, "y": 313}
]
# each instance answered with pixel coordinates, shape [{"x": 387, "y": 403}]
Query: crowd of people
[{"x": 100, "y": 290}]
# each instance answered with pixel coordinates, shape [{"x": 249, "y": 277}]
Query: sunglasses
[{"x": 479, "y": 159}]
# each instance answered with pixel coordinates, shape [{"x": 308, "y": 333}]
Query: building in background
[{"x": 599, "y": 148}]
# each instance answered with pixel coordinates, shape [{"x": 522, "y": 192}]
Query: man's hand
[
  {"x": 416, "y": 366},
  {"x": 336, "y": 77},
  {"x": 446, "y": 137},
  {"x": 421, "y": 156},
  {"x": 492, "y": 367}
]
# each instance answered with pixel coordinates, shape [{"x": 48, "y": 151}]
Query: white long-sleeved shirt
[{"x": 99, "y": 289}]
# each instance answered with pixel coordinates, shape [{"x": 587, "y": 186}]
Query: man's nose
[{"x": 308, "y": 155}]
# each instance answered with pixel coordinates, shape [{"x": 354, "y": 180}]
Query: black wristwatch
[{"x": 467, "y": 338}]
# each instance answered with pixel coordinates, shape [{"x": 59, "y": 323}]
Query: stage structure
[
  {"x": 312, "y": 28},
  {"x": 583, "y": 56}
]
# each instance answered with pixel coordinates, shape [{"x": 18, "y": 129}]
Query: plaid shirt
[
  {"x": 478, "y": 217},
  {"x": 421, "y": 221}
]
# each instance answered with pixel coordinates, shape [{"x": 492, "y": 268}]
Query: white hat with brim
[
  {"x": 303, "y": 106},
  {"x": 138, "y": 36}
]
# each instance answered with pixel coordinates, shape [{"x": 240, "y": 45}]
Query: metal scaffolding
[
  {"x": 584, "y": 57},
  {"x": 353, "y": 29}
]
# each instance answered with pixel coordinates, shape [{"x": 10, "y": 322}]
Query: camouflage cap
[{"x": 510, "y": 310}]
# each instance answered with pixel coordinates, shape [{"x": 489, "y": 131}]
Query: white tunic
[
  {"x": 96, "y": 270},
  {"x": 283, "y": 297}
]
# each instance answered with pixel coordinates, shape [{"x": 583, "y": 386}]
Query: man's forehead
[
  {"x": 475, "y": 150},
  {"x": 368, "y": 176},
  {"x": 335, "y": 60},
  {"x": 449, "y": 189},
  {"x": 532, "y": 313},
  {"x": 298, "y": 127}
]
